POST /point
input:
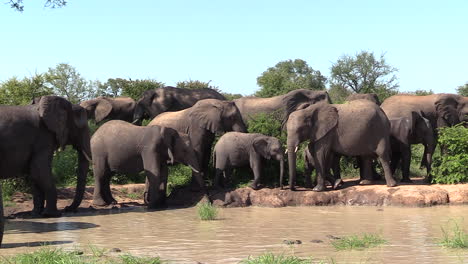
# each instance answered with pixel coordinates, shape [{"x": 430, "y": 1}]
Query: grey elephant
[
  {"x": 170, "y": 99},
  {"x": 367, "y": 96},
  {"x": 309, "y": 166},
  {"x": 440, "y": 109},
  {"x": 119, "y": 146},
  {"x": 101, "y": 108},
  {"x": 413, "y": 128},
  {"x": 236, "y": 149},
  {"x": 281, "y": 104},
  {"x": 202, "y": 122},
  {"x": 31, "y": 134},
  {"x": 358, "y": 128}
]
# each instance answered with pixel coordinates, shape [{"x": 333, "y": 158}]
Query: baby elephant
[
  {"x": 236, "y": 149},
  {"x": 122, "y": 147}
]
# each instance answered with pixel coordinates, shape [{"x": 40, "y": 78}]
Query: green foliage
[
  {"x": 65, "y": 81},
  {"x": 423, "y": 92},
  {"x": 338, "y": 93},
  {"x": 230, "y": 96},
  {"x": 21, "y": 92},
  {"x": 452, "y": 166},
  {"x": 179, "y": 176},
  {"x": 10, "y": 186},
  {"x": 123, "y": 87},
  {"x": 463, "y": 89},
  {"x": 195, "y": 84},
  {"x": 206, "y": 211},
  {"x": 287, "y": 76},
  {"x": 129, "y": 259},
  {"x": 454, "y": 236},
  {"x": 363, "y": 73},
  {"x": 270, "y": 258},
  {"x": 358, "y": 242}
]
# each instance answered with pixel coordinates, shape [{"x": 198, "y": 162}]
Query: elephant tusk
[
  {"x": 135, "y": 121},
  {"x": 196, "y": 171},
  {"x": 86, "y": 156},
  {"x": 295, "y": 150},
  {"x": 286, "y": 152}
]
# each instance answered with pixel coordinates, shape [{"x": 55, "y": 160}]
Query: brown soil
[{"x": 130, "y": 196}]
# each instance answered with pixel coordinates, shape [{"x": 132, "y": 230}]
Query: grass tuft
[
  {"x": 361, "y": 242},
  {"x": 454, "y": 237},
  {"x": 270, "y": 258},
  {"x": 45, "y": 255},
  {"x": 129, "y": 259},
  {"x": 206, "y": 211}
]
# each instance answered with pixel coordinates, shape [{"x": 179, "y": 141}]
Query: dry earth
[{"x": 130, "y": 195}]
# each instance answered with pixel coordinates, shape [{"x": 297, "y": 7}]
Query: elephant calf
[
  {"x": 122, "y": 147},
  {"x": 236, "y": 149}
]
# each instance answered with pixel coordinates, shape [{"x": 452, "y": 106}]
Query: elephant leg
[
  {"x": 227, "y": 176},
  {"x": 396, "y": 156},
  {"x": 336, "y": 171},
  {"x": 219, "y": 182},
  {"x": 365, "y": 164},
  {"x": 255, "y": 164},
  {"x": 101, "y": 179},
  {"x": 383, "y": 152},
  {"x": 163, "y": 186},
  {"x": 308, "y": 175},
  {"x": 152, "y": 165},
  {"x": 423, "y": 159},
  {"x": 321, "y": 155},
  {"x": 41, "y": 176},
  {"x": 405, "y": 163},
  {"x": 38, "y": 200}
]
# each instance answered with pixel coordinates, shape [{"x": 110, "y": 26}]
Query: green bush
[
  {"x": 206, "y": 211},
  {"x": 452, "y": 166},
  {"x": 270, "y": 258}
]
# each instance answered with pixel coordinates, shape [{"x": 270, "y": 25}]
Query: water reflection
[{"x": 177, "y": 235}]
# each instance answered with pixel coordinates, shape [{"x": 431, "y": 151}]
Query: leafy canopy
[
  {"x": 287, "y": 76},
  {"x": 21, "y": 92},
  {"x": 463, "y": 90}
]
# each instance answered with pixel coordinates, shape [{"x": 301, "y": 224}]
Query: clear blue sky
[{"x": 233, "y": 42}]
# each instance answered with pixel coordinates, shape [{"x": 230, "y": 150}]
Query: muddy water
[{"x": 177, "y": 235}]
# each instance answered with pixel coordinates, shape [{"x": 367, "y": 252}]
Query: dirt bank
[{"x": 416, "y": 194}]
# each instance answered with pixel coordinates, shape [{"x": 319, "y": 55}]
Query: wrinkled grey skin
[
  {"x": 119, "y": 108},
  {"x": 170, "y": 99},
  {"x": 201, "y": 122},
  {"x": 414, "y": 128},
  {"x": 368, "y": 96},
  {"x": 118, "y": 146},
  {"x": 309, "y": 167},
  {"x": 342, "y": 129},
  {"x": 440, "y": 109},
  {"x": 30, "y": 135},
  {"x": 281, "y": 104},
  {"x": 236, "y": 149}
]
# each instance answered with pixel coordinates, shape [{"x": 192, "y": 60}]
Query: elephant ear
[
  {"x": 324, "y": 119},
  {"x": 102, "y": 110},
  {"x": 207, "y": 115},
  {"x": 170, "y": 137},
  {"x": 446, "y": 108},
  {"x": 260, "y": 146},
  {"x": 55, "y": 113}
]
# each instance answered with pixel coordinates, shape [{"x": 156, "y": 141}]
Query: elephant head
[
  {"x": 152, "y": 103},
  {"x": 98, "y": 108},
  {"x": 451, "y": 109},
  {"x": 368, "y": 96},
  {"x": 302, "y": 98},
  {"x": 268, "y": 148},
  {"x": 70, "y": 126},
  {"x": 216, "y": 116},
  {"x": 312, "y": 123}
]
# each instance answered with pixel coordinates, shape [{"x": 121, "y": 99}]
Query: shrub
[
  {"x": 206, "y": 211},
  {"x": 358, "y": 242},
  {"x": 452, "y": 166},
  {"x": 454, "y": 237},
  {"x": 270, "y": 258}
]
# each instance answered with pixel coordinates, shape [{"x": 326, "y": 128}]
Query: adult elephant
[
  {"x": 414, "y": 128},
  {"x": 119, "y": 108},
  {"x": 282, "y": 104},
  {"x": 119, "y": 146},
  {"x": 170, "y": 99},
  {"x": 201, "y": 122},
  {"x": 358, "y": 128},
  {"x": 367, "y": 96},
  {"x": 30, "y": 135},
  {"x": 440, "y": 109}
]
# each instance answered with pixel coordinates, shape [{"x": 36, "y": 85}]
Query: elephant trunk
[
  {"x": 292, "y": 166},
  {"x": 138, "y": 115},
  {"x": 281, "y": 172},
  {"x": 84, "y": 157}
]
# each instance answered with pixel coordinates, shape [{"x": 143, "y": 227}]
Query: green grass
[
  {"x": 358, "y": 242},
  {"x": 270, "y": 258},
  {"x": 51, "y": 255},
  {"x": 206, "y": 211},
  {"x": 454, "y": 237}
]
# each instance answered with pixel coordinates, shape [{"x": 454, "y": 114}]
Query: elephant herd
[{"x": 183, "y": 127}]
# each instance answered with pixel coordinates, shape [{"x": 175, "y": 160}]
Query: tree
[
  {"x": 338, "y": 93},
  {"x": 135, "y": 88},
  {"x": 463, "y": 90},
  {"x": 289, "y": 75},
  {"x": 67, "y": 82},
  {"x": 18, "y": 4},
  {"x": 21, "y": 92},
  {"x": 363, "y": 73},
  {"x": 190, "y": 84}
]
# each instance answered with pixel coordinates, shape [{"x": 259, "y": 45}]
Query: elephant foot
[
  {"x": 157, "y": 206},
  {"x": 391, "y": 183},
  {"x": 292, "y": 188},
  {"x": 51, "y": 213},
  {"x": 407, "y": 180},
  {"x": 69, "y": 209},
  {"x": 319, "y": 188},
  {"x": 428, "y": 180},
  {"x": 365, "y": 182},
  {"x": 255, "y": 186},
  {"x": 35, "y": 213},
  {"x": 338, "y": 183},
  {"x": 100, "y": 202}
]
